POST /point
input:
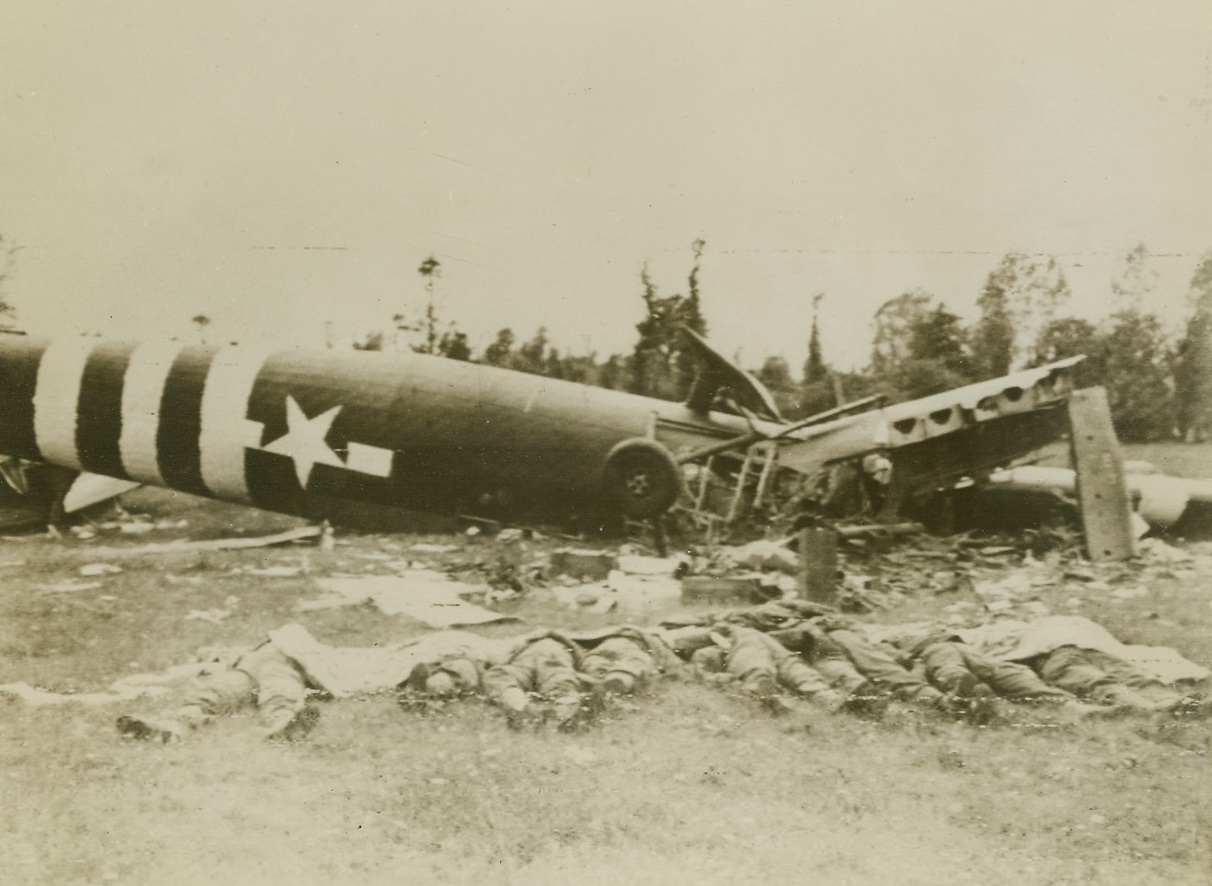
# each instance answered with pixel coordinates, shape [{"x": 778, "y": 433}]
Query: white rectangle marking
[{"x": 369, "y": 460}]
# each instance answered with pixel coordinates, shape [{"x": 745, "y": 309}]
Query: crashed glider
[{"x": 357, "y": 437}]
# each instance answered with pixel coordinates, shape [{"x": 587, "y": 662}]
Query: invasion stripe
[
  {"x": 18, "y": 381},
  {"x": 181, "y": 421},
  {"x": 225, "y": 429},
  {"x": 99, "y": 415},
  {"x": 55, "y": 399},
  {"x": 142, "y": 390}
]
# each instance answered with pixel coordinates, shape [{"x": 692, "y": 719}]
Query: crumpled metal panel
[
  {"x": 950, "y": 411},
  {"x": 1029, "y": 395}
]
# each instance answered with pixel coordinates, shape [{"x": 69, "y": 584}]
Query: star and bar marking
[
  {"x": 60, "y": 423},
  {"x": 306, "y": 443}
]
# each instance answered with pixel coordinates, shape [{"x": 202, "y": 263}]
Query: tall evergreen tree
[
  {"x": 939, "y": 337},
  {"x": 1072, "y": 337},
  {"x": 894, "y": 322},
  {"x": 500, "y": 351},
  {"x": 918, "y": 348},
  {"x": 1193, "y": 373},
  {"x": 661, "y": 365},
  {"x": 532, "y": 355},
  {"x": 1021, "y": 297},
  {"x": 8, "y": 254},
  {"x": 1136, "y": 373},
  {"x": 815, "y": 368},
  {"x": 454, "y": 344},
  {"x": 1137, "y": 280},
  {"x": 430, "y": 269},
  {"x": 1136, "y": 359}
]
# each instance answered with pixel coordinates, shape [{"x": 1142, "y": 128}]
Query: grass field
[
  {"x": 690, "y": 783},
  {"x": 1179, "y": 459}
]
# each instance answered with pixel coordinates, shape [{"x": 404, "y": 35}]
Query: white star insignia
[{"x": 304, "y": 440}]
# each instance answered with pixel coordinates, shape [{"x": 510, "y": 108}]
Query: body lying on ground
[
  {"x": 1079, "y": 656},
  {"x": 847, "y": 664},
  {"x": 757, "y": 661},
  {"x": 277, "y": 675},
  {"x": 1059, "y": 661},
  {"x": 831, "y": 661},
  {"x": 572, "y": 675}
]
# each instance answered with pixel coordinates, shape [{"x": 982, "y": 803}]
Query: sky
[{"x": 285, "y": 167}]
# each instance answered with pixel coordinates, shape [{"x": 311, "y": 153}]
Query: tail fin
[{"x": 717, "y": 372}]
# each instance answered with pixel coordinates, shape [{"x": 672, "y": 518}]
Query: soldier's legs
[
  {"x": 509, "y": 683},
  {"x": 882, "y": 669},
  {"x": 555, "y": 669},
  {"x": 545, "y": 666},
  {"x": 213, "y": 694},
  {"x": 831, "y": 661},
  {"x": 281, "y": 689},
  {"x": 751, "y": 660},
  {"x": 281, "y": 693},
  {"x": 1011, "y": 679},
  {"x": 1138, "y": 679},
  {"x": 809, "y": 682},
  {"x": 1078, "y": 671},
  {"x": 945, "y": 667}
]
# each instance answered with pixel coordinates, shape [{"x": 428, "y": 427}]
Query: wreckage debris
[
  {"x": 426, "y": 595},
  {"x": 218, "y": 544},
  {"x": 1000, "y": 580}
]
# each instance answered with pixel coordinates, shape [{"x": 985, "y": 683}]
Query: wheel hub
[{"x": 639, "y": 485}]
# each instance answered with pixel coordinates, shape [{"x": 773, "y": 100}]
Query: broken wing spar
[
  {"x": 329, "y": 434},
  {"x": 936, "y": 440}
]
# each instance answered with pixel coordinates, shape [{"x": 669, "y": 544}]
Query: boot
[
  {"x": 291, "y": 725},
  {"x": 148, "y": 729}
]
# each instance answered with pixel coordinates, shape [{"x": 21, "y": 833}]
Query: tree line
[{"x": 1159, "y": 386}]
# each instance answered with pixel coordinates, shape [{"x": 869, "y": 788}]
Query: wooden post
[
  {"x": 1102, "y": 489},
  {"x": 818, "y": 565}
]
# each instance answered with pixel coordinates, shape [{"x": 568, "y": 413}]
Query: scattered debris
[
  {"x": 433, "y": 549},
  {"x": 136, "y": 528},
  {"x": 766, "y": 555},
  {"x": 424, "y": 594},
  {"x": 125, "y": 689},
  {"x": 276, "y": 571},
  {"x": 69, "y": 587},
  {"x": 214, "y": 616},
  {"x": 100, "y": 569},
  {"x": 583, "y": 564},
  {"x": 710, "y": 589},
  {"x": 218, "y": 544},
  {"x": 636, "y": 564}
]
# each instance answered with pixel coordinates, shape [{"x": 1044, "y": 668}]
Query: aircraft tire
[{"x": 641, "y": 478}]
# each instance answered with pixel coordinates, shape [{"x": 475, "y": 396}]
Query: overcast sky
[{"x": 279, "y": 165}]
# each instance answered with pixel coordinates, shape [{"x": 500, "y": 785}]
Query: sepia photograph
[{"x": 648, "y": 443}]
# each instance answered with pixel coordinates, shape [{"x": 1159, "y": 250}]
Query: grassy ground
[
  {"x": 688, "y": 784},
  {"x": 1179, "y": 459}
]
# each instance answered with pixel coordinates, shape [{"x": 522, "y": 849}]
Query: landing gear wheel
[{"x": 641, "y": 479}]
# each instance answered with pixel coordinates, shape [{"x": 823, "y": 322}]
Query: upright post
[
  {"x": 818, "y": 565},
  {"x": 1102, "y": 489}
]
